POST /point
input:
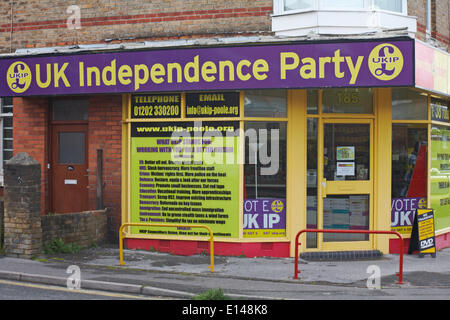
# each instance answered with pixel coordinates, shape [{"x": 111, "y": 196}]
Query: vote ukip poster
[
  {"x": 264, "y": 218},
  {"x": 402, "y": 213}
]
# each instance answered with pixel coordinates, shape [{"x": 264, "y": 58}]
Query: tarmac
[{"x": 157, "y": 274}]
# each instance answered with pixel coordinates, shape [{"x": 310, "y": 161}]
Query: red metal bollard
[{"x": 400, "y": 272}]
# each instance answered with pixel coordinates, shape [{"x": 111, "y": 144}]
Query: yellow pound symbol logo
[
  {"x": 422, "y": 203},
  {"x": 386, "y": 62},
  {"x": 277, "y": 206},
  {"x": 18, "y": 77}
]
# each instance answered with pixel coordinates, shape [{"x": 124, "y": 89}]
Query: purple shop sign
[
  {"x": 381, "y": 63},
  {"x": 264, "y": 214}
]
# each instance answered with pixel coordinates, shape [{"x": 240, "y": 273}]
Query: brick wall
[
  {"x": 2, "y": 227},
  {"x": 31, "y": 135},
  {"x": 440, "y": 23},
  {"x": 118, "y": 20},
  {"x": 44, "y": 23},
  {"x": 83, "y": 228},
  {"x": 105, "y": 132},
  {"x": 22, "y": 212},
  {"x": 417, "y": 8},
  {"x": 30, "y": 127},
  {"x": 440, "y": 29}
]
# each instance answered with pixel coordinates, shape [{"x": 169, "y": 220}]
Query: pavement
[{"x": 183, "y": 277}]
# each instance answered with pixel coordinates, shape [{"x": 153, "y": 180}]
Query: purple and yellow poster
[
  {"x": 264, "y": 218},
  {"x": 185, "y": 173},
  {"x": 402, "y": 213}
]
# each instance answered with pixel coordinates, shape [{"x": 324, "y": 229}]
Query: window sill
[{"x": 294, "y": 12}]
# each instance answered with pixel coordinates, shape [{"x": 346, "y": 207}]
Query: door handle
[{"x": 324, "y": 188}]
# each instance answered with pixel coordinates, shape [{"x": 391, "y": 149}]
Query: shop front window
[
  {"x": 346, "y": 152},
  {"x": 313, "y": 102},
  {"x": 265, "y": 180},
  {"x": 409, "y": 174},
  {"x": 311, "y": 182},
  {"x": 408, "y": 104},
  {"x": 265, "y": 164},
  {"x": 265, "y": 103},
  {"x": 184, "y": 167},
  {"x": 265, "y": 160},
  {"x": 440, "y": 163},
  {"x": 440, "y": 175},
  {"x": 409, "y": 157}
]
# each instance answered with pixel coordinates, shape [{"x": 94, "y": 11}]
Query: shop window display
[
  {"x": 265, "y": 160},
  {"x": 265, "y": 180},
  {"x": 440, "y": 175},
  {"x": 409, "y": 176},
  {"x": 265, "y": 164},
  {"x": 311, "y": 200}
]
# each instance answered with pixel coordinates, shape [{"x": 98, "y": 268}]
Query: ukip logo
[
  {"x": 386, "y": 62},
  {"x": 18, "y": 77},
  {"x": 277, "y": 206}
]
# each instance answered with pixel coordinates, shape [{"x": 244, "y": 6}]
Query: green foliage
[
  {"x": 58, "y": 246},
  {"x": 211, "y": 294},
  {"x": 93, "y": 245}
]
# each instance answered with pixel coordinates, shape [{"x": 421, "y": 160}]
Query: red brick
[{"x": 143, "y": 21}]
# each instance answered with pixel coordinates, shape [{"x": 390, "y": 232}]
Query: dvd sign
[{"x": 423, "y": 233}]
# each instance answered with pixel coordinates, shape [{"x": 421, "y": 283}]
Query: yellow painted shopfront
[
  {"x": 336, "y": 150},
  {"x": 259, "y": 141},
  {"x": 345, "y": 158}
]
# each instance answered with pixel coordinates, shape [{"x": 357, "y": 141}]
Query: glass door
[{"x": 346, "y": 183}]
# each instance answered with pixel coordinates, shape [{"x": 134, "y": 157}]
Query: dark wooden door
[{"x": 69, "y": 168}]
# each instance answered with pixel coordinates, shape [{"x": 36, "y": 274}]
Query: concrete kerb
[
  {"x": 115, "y": 286},
  {"x": 37, "y": 278},
  {"x": 205, "y": 275},
  {"x": 233, "y": 268},
  {"x": 8, "y": 275},
  {"x": 95, "y": 285}
]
